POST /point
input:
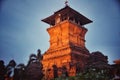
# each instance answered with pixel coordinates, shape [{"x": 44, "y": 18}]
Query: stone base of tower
[{"x": 68, "y": 60}]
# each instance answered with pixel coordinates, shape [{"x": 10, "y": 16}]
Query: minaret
[{"x": 67, "y": 42}]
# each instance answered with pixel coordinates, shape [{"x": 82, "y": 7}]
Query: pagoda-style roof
[{"x": 68, "y": 12}]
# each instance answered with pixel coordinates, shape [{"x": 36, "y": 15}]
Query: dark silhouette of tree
[
  {"x": 64, "y": 71},
  {"x": 32, "y": 71},
  {"x": 2, "y": 70},
  {"x": 97, "y": 66},
  {"x": 78, "y": 68},
  {"x": 10, "y": 69},
  {"x": 32, "y": 59},
  {"x": 34, "y": 68},
  {"x": 39, "y": 55},
  {"x": 98, "y": 60},
  {"x": 55, "y": 71},
  {"x": 19, "y": 72}
]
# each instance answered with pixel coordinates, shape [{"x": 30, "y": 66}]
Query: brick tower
[{"x": 67, "y": 43}]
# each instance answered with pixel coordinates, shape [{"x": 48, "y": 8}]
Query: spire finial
[{"x": 66, "y": 2}]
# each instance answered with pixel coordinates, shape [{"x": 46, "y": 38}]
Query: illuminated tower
[{"x": 67, "y": 42}]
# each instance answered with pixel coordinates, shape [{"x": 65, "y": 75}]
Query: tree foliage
[{"x": 31, "y": 71}]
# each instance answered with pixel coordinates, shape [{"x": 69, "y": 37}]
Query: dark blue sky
[{"x": 22, "y": 32}]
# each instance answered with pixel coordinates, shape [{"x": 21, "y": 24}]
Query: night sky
[{"x": 22, "y": 32}]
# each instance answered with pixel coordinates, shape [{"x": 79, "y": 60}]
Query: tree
[
  {"x": 97, "y": 66},
  {"x": 39, "y": 55},
  {"x": 64, "y": 71},
  {"x": 2, "y": 70},
  {"x": 34, "y": 68},
  {"x": 55, "y": 71},
  {"x": 10, "y": 69},
  {"x": 19, "y": 72}
]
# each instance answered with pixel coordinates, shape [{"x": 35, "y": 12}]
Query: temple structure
[{"x": 67, "y": 43}]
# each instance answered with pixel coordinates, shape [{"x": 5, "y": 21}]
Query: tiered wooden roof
[{"x": 71, "y": 13}]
